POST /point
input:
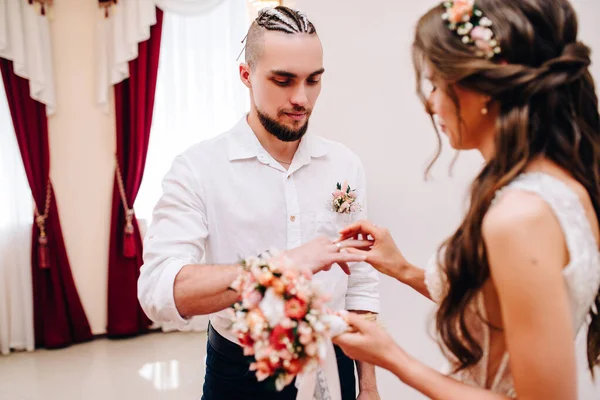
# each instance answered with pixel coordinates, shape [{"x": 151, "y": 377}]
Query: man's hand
[{"x": 321, "y": 253}]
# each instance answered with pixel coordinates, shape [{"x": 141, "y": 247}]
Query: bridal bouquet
[{"x": 281, "y": 319}]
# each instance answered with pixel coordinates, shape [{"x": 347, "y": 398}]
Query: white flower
[
  {"x": 272, "y": 307},
  {"x": 485, "y": 21},
  {"x": 252, "y": 262},
  {"x": 319, "y": 327},
  {"x": 257, "y": 330},
  {"x": 262, "y": 350}
]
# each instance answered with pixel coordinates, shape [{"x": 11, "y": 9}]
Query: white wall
[
  {"x": 368, "y": 103},
  {"x": 82, "y": 147}
]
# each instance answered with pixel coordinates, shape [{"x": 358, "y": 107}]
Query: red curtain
[
  {"x": 134, "y": 103},
  {"x": 58, "y": 313}
]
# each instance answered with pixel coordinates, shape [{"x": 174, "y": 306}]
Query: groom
[{"x": 263, "y": 184}]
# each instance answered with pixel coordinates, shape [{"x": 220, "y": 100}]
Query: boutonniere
[{"x": 344, "y": 199}]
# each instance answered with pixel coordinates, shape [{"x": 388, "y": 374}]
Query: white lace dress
[{"x": 582, "y": 276}]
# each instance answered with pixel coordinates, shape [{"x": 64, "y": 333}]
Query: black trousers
[{"x": 228, "y": 377}]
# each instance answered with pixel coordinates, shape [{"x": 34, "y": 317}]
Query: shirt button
[{"x": 292, "y": 218}]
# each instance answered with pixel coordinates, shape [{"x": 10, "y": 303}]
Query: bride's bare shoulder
[{"x": 523, "y": 223}]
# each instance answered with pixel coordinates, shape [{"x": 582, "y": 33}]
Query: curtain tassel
[
  {"x": 40, "y": 220},
  {"x": 43, "y": 252},
  {"x": 129, "y": 248}
]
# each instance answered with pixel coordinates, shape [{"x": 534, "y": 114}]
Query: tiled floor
[
  {"x": 158, "y": 366},
  {"x": 152, "y": 367}
]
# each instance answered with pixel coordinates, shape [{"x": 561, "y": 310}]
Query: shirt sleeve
[
  {"x": 176, "y": 237},
  {"x": 363, "y": 282}
]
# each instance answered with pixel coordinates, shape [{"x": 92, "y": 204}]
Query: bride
[{"x": 521, "y": 274}]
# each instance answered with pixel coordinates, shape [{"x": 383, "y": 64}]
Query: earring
[{"x": 484, "y": 111}]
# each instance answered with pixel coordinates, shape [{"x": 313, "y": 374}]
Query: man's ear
[{"x": 245, "y": 75}]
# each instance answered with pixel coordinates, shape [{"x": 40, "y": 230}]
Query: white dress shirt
[{"x": 226, "y": 199}]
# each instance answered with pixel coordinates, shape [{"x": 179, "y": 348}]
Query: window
[
  {"x": 16, "y": 219},
  {"x": 198, "y": 95}
]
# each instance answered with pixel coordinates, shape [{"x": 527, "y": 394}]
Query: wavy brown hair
[{"x": 548, "y": 108}]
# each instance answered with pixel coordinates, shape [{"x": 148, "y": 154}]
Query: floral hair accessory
[{"x": 468, "y": 21}]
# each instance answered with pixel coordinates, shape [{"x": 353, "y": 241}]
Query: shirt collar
[{"x": 243, "y": 144}]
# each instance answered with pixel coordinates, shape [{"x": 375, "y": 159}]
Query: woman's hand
[
  {"x": 369, "y": 343},
  {"x": 384, "y": 255},
  {"x": 321, "y": 253}
]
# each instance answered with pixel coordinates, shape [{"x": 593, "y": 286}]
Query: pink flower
[
  {"x": 481, "y": 33},
  {"x": 252, "y": 300},
  {"x": 345, "y": 206},
  {"x": 296, "y": 309},
  {"x": 287, "y": 323},
  {"x": 482, "y": 36},
  {"x": 352, "y": 194},
  {"x": 337, "y": 193}
]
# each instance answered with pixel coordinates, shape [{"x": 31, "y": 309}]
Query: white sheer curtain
[
  {"x": 117, "y": 37},
  {"x": 16, "y": 218},
  {"x": 198, "y": 93}
]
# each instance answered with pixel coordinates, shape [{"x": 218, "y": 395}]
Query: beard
[{"x": 283, "y": 132}]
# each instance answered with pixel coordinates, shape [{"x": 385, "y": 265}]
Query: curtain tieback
[
  {"x": 40, "y": 220},
  {"x": 129, "y": 248}
]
